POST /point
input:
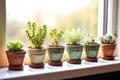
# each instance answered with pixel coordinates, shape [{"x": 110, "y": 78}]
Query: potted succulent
[
  {"x": 73, "y": 47},
  {"x": 107, "y": 47},
  {"x": 91, "y": 48},
  {"x": 15, "y": 55},
  {"x": 55, "y": 50},
  {"x": 36, "y": 52}
]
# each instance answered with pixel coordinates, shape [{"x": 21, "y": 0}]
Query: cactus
[
  {"x": 90, "y": 40},
  {"x": 107, "y": 39},
  {"x": 36, "y": 34}
]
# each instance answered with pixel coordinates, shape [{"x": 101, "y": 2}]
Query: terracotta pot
[
  {"x": 74, "y": 53},
  {"x": 15, "y": 59},
  {"x": 36, "y": 57},
  {"x": 107, "y": 50},
  {"x": 55, "y": 55}
]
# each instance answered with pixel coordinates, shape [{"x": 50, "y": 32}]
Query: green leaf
[{"x": 14, "y": 46}]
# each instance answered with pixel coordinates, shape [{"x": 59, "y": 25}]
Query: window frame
[
  {"x": 103, "y": 27},
  {"x": 3, "y": 57},
  {"x": 102, "y": 17}
]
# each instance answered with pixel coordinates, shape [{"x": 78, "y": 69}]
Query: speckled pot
[
  {"x": 74, "y": 53},
  {"x": 55, "y": 55},
  {"x": 15, "y": 59},
  {"x": 91, "y": 50},
  {"x": 36, "y": 57}
]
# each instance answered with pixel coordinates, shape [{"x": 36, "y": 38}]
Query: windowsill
[{"x": 62, "y": 72}]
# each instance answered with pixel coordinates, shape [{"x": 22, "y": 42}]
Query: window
[
  {"x": 23, "y": 22},
  {"x": 95, "y": 68},
  {"x": 61, "y": 14}
]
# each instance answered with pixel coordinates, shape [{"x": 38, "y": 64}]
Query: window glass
[{"x": 61, "y": 14}]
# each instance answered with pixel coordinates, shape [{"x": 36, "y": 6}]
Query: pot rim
[
  {"x": 108, "y": 44},
  {"x": 31, "y": 48},
  {"x": 55, "y": 47}
]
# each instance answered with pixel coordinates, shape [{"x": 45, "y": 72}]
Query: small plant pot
[
  {"x": 74, "y": 53},
  {"x": 91, "y": 52},
  {"x": 107, "y": 51},
  {"x": 55, "y": 55},
  {"x": 36, "y": 57},
  {"x": 15, "y": 59}
]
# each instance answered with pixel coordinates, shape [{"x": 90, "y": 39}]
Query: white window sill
[{"x": 62, "y": 72}]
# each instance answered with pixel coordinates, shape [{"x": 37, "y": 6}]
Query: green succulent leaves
[
  {"x": 107, "y": 39},
  {"x": 90, "y": 40},
  {"x": 73, "y": 36},
  {"x": 36, "y": 34},
  {"x": 14, "y": 46},
  {"x": 55, "y": 36}
]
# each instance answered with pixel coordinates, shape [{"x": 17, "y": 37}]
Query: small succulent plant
[
  {"x": 90, "y": 40},
  {"x": 36, "y": 34},
  {"x": 73, "y": 36},
  {"x": 56, "y": 37},
  {"x": 14, "y": 46},
  {"x": 107, "y": 39}
]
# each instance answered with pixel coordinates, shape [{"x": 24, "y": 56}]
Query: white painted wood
[
  {"x": 62, "y": 72},
  {"x": 100, "y": 17},
  {"x": 112, "y": 16}
]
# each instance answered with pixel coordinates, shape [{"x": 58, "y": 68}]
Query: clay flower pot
[
  {"x": 74, "y": 53},
  {"x": 36, "y": 57},
  {"x": 91, "y": 52},
  {"x": 55, "y": 55},
  {"x": 107, "y": 51},
  {"x": 15, "y": 59}
]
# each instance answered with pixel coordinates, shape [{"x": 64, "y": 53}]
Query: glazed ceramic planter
[
  {"x": 91, "y": 52},
  {"x": 15, "y": 59},
  {"x": 107, "y": 50},
  {"x": 36, "y": 57},
  {"x": 55, "y": 55},
  {"x": 74, "y": 53}
]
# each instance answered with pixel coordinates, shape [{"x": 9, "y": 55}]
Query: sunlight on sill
[{"x": 75, "y": 70}]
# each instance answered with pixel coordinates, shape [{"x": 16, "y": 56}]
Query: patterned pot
[
  {"x": 91, "y": 52},
  {"x": 15, "y": 59},
  {"x": 36, "y": 57},
  {"x": 74, "y": 53},
  {"x": 55, "y": 55}
]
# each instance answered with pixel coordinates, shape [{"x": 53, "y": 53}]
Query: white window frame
[
  {"x": 110, "y": 25},
  {"x": 108, "y": 20},
  {"x": 102, "y": 17},
  {"x": 107, "y": 17}
]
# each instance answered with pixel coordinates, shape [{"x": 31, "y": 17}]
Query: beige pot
[{"x": 36, "y": 55}]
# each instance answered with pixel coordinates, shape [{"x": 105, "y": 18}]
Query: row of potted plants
[{"x": 55, "y": 51}]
